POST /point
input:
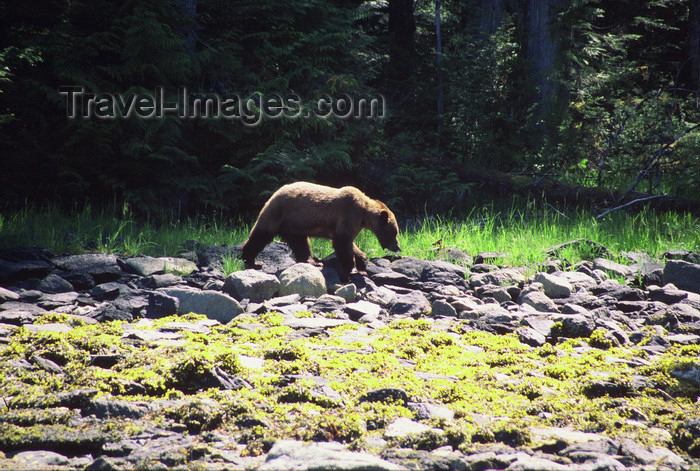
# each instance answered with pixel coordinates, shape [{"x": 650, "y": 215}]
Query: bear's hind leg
[
  {"x": 343, "y": 247},
  {"x": 257, "y": 240},
  {"x": 300, "y": 246}
]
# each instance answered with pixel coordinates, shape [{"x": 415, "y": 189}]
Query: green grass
[
  {"x": 522, "y": 235},
  {"x": 111, "y": 232}
]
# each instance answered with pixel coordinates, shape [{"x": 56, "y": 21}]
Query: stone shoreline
[{"x": 659, "y": 308}]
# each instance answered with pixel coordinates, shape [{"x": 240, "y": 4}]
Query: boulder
[
  {"x": 55, "y": 284},
  {"x": 442, "y": 308},
  {"x": 254, "y": 285},
  {"x": 501, "y": 277},
  {"x": 289, "y": 454},
  {"x": 303, "y": 279},
  {"x": 413, "y": 304},
  {"x": 213, "y": 304},
  {"x": 683, "y": 275},
  {"x": 102, "y": 267},
  {"x": 554, "y": 286},
  {"x": 147, "y": 266},
  {"x": 23, "y": 270},
  {"x": 360, "y": 309}
]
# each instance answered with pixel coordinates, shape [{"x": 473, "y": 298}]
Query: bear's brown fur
[{"x": 301, "y": 210}]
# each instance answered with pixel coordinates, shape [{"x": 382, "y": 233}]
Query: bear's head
[{"x": 388, "y": 230}]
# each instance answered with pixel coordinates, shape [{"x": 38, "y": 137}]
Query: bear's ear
[{"x": 384, "y": 217}]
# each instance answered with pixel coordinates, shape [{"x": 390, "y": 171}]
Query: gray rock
[
  {"x": 686, "y": 255},
  {"x": 501, "y": 277},
  {"x": 577, "y": 325},
  {"x": 108, "y": 291},
  {"x": 52, "y": 301},
  {"x": 442, "y": 308},
  {"x": 690, "y": 374},
  {"x": 613, "y": 268},
  {"x": 392, "y": 278},
  {"x": 102, "y": 463},
  {"x": 381, "y": 295},
  {"x": 287, "y": 300},
  {"x": 538, "y": 300},
  {"x": 102, "y": 267},
  {"x": 347, "y": 292},
  {"x": 543, "y": 325},
  {"x": 683, "y": 339},
  {"x": 425, "y": 411},
  {"x": 646, "y": 455},
  {"x": 107, "y": 312},
  {"x": 58, "y": 328},
  {"x": 55, "y": 284},
  {"x": 104, "y": 409},
  {"x": 554, "y": 286},
  {"x": 456, "y": 256},
  {"x": 194, "y": 327},
  {"x": 7, "y": 295},
  {"x": 668, "y": 294},
  {"x": 570, "y": 308},
  {"x": 360, "y": 309},
  {"x": 314, "y": 322},
  {"x": 579, "y": 280},
  {"x": 684, "y": 275},
  {"x": 23, "y": 270},
  {"x": 79, "y": 280},
  {"x": 411, "y": 267},
  {"x": 488, "y": 257},
  {"x": 161, "y": 305},
  {"x": 327, "y": 303},
  {"x": 614, "y": 289},
  {"x": 500, "y": 293},
  {"x": 531, "y": 337},
  {"x": 40, "y": 459},
  {"x": 413, "y": 304},
  {"x": 46, "y": 364},
  {"x": 132, "y": 301},
  {"x": 682, "y": 313},
  {"x": 444, "y": 273},
  {"x": 213, "y": 304},
  {"x": 288, "y": 454},
  {"x": 403, "y": 427},
  {"x": 162, "y": 281},
  {"x": 251, "y": 284},
  {"x": 161, "y": 450},
  {"x": 146, "y": 266},
  {"x": 303, "y": 279},
  {"x": 525, "y": 462},
  {"x": 464, "y": 305}
]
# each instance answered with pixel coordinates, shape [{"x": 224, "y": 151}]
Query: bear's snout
[{"x": 394, "y": 247}]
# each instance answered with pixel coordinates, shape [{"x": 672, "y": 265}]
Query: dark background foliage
[{"x": 590, "y": 92}]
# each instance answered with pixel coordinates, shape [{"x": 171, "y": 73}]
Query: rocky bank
[{"x": 459, "y": 310}]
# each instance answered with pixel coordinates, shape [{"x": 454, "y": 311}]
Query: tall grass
[
  {"x": 88, "y": 230},
  {"x": 523, "y": 235}
]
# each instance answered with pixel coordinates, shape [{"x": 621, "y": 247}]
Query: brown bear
[{"x": 301, "y": 210}]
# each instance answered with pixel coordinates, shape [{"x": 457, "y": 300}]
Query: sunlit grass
[{"x": 522, "y": 235}]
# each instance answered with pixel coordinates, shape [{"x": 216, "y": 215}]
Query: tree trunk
[
  {"x": 541, "y": 46},
  {"x": 694, "y": 42},
  {"x": 438, "y": 54},
  {"x": 402, "y": 28},
  {"x": 490, "y": 16},
  {"x": 187, "y": 10}
]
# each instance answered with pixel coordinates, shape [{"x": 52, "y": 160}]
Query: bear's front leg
[
  {"x": 343, "y": 247},
  {"x": 360, "y": 259}
]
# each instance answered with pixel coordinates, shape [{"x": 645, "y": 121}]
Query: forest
[{"x": 589, "y": 93}]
